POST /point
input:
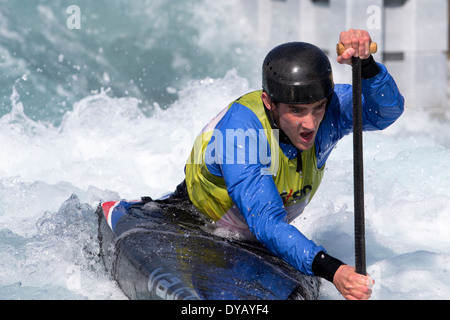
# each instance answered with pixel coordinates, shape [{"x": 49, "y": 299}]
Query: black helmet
[{"x": 297, "y": 72}]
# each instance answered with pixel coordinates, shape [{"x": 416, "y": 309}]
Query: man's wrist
[
  {"x": 369, "y": 68},
  {"x": 325, "y": 266}
]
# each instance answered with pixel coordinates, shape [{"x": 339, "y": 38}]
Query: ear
[{"x": 266, "y": 100}]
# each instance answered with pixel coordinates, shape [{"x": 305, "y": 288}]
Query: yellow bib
[{"x": 209, "y": 194}]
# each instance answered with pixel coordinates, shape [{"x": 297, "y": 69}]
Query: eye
[
  {"x": 320, "y": 107},
  {"x": 297, "y": 111}
]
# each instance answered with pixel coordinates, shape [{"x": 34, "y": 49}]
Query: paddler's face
[{"x": 300, "y": 122}]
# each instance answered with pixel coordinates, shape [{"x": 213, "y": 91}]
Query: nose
[{"x": 309, "y": 122}]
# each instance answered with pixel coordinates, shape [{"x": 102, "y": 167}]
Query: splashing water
[{"x": 111, "y": 111}]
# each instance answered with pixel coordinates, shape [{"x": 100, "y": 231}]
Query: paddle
[{"x": 358, "y": 166}]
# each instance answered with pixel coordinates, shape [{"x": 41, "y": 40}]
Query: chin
[{"x": 304, "y": 147}]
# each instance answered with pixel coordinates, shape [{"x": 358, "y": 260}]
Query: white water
[{"x": 107, "y": 149}]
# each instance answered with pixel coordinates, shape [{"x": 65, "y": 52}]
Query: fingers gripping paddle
[{"x": 358, "y": 167}]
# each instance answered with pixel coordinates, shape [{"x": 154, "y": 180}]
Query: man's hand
[
  {"x": 356, "y": 43},
  {"x": 351, "y": 285}
]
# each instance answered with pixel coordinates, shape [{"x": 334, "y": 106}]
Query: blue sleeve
[
  {"x": 382, "y": 104},
  {"x": 255, "y": 193}
]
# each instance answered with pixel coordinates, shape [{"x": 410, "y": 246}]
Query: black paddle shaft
[{"x": 358, "y": 169}]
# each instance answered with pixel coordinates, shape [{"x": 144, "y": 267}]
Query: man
[{"x": 260, "y": 161}]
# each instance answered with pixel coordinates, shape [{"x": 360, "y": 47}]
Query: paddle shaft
[
  {"x": 358, "y": 165},
  {"x": 358, "y": 169}
]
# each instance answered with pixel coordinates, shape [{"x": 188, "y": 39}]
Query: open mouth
[{"x": 307, "y": 136}]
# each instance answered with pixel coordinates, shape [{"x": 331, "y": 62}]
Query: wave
[{"x": 142, "y": 49}]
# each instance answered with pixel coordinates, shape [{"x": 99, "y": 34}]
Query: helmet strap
[{"x": 273, "y": 123}]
